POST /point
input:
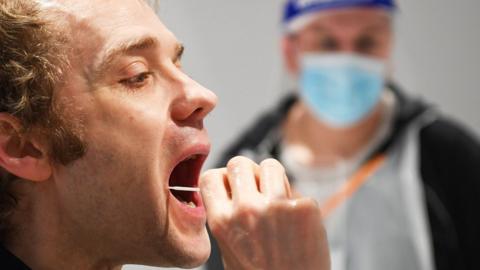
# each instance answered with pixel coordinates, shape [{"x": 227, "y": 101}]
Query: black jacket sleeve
[{"x": 450, "y": 168}]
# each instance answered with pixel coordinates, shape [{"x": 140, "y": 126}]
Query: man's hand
[{"x": 256, "y": 222}]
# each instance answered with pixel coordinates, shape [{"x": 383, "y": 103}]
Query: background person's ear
[
  {"x": 290, "y": 55},
  {"x": 20, "y": 155}
]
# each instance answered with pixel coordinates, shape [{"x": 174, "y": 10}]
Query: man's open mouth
[{"x": 186, "y": 174}]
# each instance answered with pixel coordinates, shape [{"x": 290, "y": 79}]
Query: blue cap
[{"x": 296, "y": 9}]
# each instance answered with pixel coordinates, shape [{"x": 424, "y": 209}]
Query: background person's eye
[
  {"x": 328, "y": 44},
  {"x": 365, "y": 44},
  {"x": 137, "y": 81}
]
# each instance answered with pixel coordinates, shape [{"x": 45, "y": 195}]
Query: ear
[
  {"x": 390, "y": 70},
  {"x": 290, "y": 55},
  {"x": 20, "y": 155},
  {"x": 389, "y": 56}
]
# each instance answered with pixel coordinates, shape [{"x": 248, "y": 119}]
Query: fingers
[
  {"x": 256, "y": 222},
  {"x": 243, "y": 183},
  {"x": 215, "y": 191},
  {"x": 273, "y": 181},
  {"x": 243, "y": 180}
]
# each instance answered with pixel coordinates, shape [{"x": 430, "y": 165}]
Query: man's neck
[
  {"x": 324, "y": 145},
  {"x": 41, "y": 237}
]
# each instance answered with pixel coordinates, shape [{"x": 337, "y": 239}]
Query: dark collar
[{"x": 10, "y": 261}]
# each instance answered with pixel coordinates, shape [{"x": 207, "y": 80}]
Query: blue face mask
[{"x": 341, "y": 89}]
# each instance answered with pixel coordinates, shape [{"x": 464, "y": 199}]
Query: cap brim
[{"x": 300, "y": 22}]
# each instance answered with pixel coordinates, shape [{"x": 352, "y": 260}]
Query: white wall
[
  {"x": 232, "y": 48},
  {"x": 438, "y": 54}
]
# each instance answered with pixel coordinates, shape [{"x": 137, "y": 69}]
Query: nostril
[
  {"x": 198, "y": 114},
  {"x": 198, "y": 111},
  {"x": 186, "y": 111}
]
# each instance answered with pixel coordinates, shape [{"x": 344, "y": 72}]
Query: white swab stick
[{"x": 192, "y": 189}]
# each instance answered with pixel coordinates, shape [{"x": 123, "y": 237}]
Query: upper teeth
[{"x": 191, "y": 157}]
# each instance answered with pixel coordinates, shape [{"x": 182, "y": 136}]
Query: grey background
[{"x": 233, "y": 49}]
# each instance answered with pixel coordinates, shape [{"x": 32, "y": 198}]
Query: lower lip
[{"x": 197, "y": 213}]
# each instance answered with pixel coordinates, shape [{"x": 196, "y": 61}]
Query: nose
[
  {"x": 194, "y": 102},
  {"x": 347, "y": 47}
]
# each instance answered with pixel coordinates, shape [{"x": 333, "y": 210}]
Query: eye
[
  {"x": 177, "y": 60},
  {"x": 365, "y": 44},
  {"x": 137, "y": 81},
  {"x": 328, "y": 44}
]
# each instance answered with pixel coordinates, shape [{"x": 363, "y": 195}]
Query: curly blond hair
[{"x": 33, "y": 61}]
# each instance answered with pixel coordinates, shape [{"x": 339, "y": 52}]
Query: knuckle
[
  {"x": 218, "y": 224},
  {"x": 273, "y": 167},
  {"x": 271, "y": 163},
  {"x": 243, "y": 216},
  {"x": 307, "y": 208},
  {"x": 279, "y": 206},
  {"x": 209, "y": 176},
  {"x": 246, "y": 210},
  {"x": 310, "y": 203},
  {"x": 237, "y": 161}
]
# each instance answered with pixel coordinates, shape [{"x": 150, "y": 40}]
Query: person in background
[
  {"x": 98, "y": 124},
  {"x": 398, "y": 182}
]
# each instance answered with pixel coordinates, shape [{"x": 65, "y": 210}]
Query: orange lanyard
[{"x": 352, "y": 185}]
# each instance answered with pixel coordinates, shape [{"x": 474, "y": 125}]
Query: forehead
[
  {"x": 106, "y": 8},
  {"x": 354, "y": 19},
  {"x": 98, "y": 25},
  {"x": 113, "y": 13}
]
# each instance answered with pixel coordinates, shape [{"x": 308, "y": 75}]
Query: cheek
[
  {"x": 384, "y": 49},
  {"x": 125, "y": 165},
  {"x": 131, "y": 146},
  {"x": 121, "y": 177},
  {"x": 133, "y": 125}
]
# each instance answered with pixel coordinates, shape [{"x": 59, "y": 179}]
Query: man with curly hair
[{"x": 101, "y": 146}]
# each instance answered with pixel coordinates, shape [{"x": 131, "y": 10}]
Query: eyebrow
[
  {"x": 126, "y": 47},
  {"x": 377, "y": 26}
]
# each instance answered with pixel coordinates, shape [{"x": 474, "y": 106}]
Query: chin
[
  {"x": 185, "y": 256},
  {"x": 198, "y": 250},
  {"x": 193, "y": 256},
  {"x": 198, "y": 259}
]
